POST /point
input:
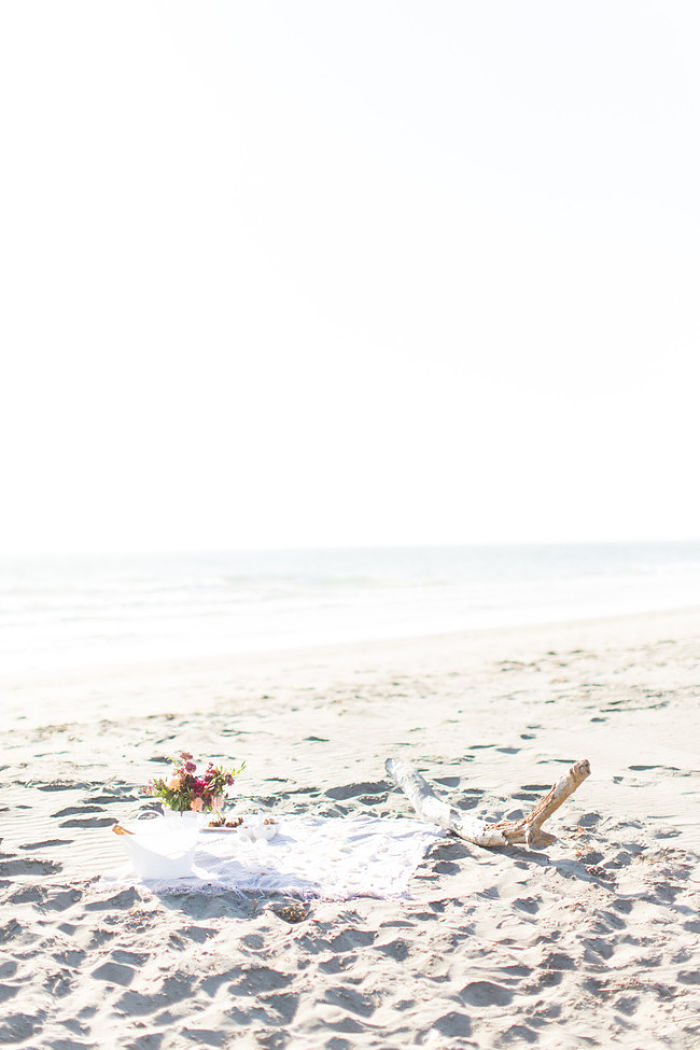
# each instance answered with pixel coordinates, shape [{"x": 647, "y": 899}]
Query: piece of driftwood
[{"x": 434, "y": 810}]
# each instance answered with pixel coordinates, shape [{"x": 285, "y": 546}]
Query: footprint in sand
[
  {"x": 520, "y": 1032},
  {"x": 527, "y": 904},
  {"x": 284, "y": 1005},
  {"x": 346, "y": 791},
  {"x": 18, "y": 1027},
  {"x": 114, "y": 973},
  {"x": 29, "y": 867},
  {"x": 130, "y": 958},
  {"x": 486, "y": 993},
  {"x": 453, "y": 1024},
  {"x": 45, "y": 844},
  {"x": 348, "y": 999},
  {"x": 62, "y": 900}
]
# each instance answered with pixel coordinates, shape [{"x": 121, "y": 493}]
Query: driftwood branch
[{"x": 434, "y": 810}]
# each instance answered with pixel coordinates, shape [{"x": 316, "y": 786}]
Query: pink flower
[
  {"x": 190, "y": 766},
  {"x": 197, "y": 805},
  {"x": 186, "y": 756}
]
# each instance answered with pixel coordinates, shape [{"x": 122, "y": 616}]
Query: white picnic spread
[{"x": 332, "y": 858}]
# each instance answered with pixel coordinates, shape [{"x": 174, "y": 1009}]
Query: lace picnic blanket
[{"x": 325, "y": 857}]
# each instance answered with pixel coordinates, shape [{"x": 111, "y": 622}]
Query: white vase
[{"x": 186, "y": 818}]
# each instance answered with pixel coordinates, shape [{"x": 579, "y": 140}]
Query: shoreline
[{"x": 154, "y": 683}]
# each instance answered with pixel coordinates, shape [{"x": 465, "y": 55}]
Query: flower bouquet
[{"x": 186, "y": 792}]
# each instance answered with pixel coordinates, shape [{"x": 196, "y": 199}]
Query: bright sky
[{"x": 322, "y": 273}]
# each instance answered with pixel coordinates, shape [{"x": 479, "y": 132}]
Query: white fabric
[{"x": 331, "y": 858}]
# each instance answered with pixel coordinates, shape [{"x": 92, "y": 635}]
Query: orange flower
[
  {"x": 197, "y": 804},
  {"x": 176, "y": 783}
]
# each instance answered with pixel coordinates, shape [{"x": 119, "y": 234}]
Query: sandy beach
[{"x": 593, "y": 941}]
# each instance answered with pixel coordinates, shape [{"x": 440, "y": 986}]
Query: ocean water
[{"x": 73, "y": 612}]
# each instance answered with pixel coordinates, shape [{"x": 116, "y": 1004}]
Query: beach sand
[{"x": 593, "y": 941}]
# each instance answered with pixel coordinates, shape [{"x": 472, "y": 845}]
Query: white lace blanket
[{"x": 331, "y": 858}]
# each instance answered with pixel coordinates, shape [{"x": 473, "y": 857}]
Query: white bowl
[{"x": 255, "y": 829}]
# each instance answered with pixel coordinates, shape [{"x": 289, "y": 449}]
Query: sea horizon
[{"x": 59, "y": 611}]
